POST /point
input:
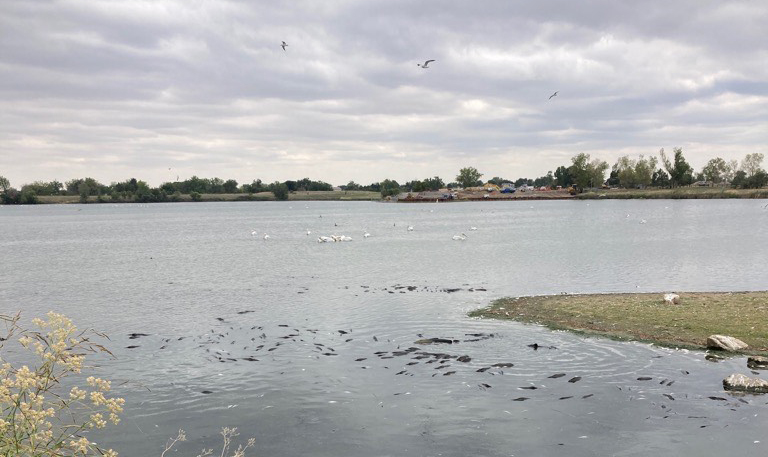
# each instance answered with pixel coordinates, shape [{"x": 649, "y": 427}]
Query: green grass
[
  {"x": 645, "y": 317},
  {"x": 357, "y": 195}
]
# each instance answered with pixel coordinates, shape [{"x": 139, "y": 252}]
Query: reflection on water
[{"x": 311, "y": 347}]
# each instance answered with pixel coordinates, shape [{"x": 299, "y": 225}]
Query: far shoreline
[
  {"x": 645, "y": 317},
  {"x": 680, "y": 193}
]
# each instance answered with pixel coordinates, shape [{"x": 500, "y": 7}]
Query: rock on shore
[
  {"x": 757, "y": 363},
  {"x": 743, "y": 383},
  {"x": 726, "y": 343}
]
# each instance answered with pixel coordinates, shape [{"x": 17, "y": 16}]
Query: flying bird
[
  {"x": 550, "y": 97},
  {"x": 284, "y": 45},
  {"x": 425, "y": 64}
]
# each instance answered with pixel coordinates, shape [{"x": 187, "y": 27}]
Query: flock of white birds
[{"x": 341, "y": 238}]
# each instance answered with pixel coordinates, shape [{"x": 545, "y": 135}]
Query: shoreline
[
  {"x": 645, "y": 317},
  {"x": 686, "y": 193}
]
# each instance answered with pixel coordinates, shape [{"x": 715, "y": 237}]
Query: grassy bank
[
  {"x": 645, "y": 317},
  {"x": 678, "y": 193}
]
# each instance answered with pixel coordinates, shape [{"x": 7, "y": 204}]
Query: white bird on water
[
  {"x": 473, "y": 228},
  {"x": 425, "y": 64},
  {"x": 266, "y": 237},
  {"x": 410, "y": 228},
  {"x": 366, "y": 235},
  {"x": 254, "y": 233},
  {"x": 308, "y": 232},
  {"x": 461, "y": 237}
]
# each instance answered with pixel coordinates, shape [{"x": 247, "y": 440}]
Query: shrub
[
  {"x": 195, "y": 196},
  {"x": 37, "y": 415}
]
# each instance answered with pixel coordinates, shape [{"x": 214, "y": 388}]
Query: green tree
[
  {"x": 280, "y": 190},
  {"x": 4, "y": 184},
  {"x": 433, "y": 183},
  {"x": 660, "y": 178},
  {"x": 587, "y": 173},
  {"x": 230, "y": 186},
  {"x": 563, "y": 176},
  {"x": 195, "y": 196},
  {"x": 715, "y": 170},
  {"x": 468, "y": 177},
  {"x": 752, "y": 164},
  {"x": 389, "y": 187},
  {"x": 680, "y": 172}
]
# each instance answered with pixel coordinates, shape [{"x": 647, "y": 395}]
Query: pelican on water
[{"x": 425, "y": 64}]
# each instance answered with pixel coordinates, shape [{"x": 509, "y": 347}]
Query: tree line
[{"x": 582, "y": 173}]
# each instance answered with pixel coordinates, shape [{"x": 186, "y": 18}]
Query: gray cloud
[{"x": 119, "y": 89}]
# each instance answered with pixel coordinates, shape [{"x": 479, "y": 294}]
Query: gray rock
[
  {"x": 726, "y": 343},
  {"x": 757, "y": 363},
  {"x": 743, "y": 383},
  {"x": 671, "y": 299}
]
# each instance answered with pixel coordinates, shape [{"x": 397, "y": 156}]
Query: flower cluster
[{"x": 36, "y": 418}]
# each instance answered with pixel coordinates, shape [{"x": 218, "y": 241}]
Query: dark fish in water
[
  {"x": 537, "y": 346},
  {"x": 399, "y": 353},
  {"x": 718, "y": 398},
  {"x": 329, "y": 353},
  {"x": 220, "y": 319},
  {"x": 271, "y": 349},
  {"x": 528, "y": 387},
  {"x": 520, "y": 399},
  {"x": 663, "y": 381},
  {"x": 644, "y": 378},
  {"x": 684, "y": 372},
  {"x": 412, "y": 363},
  {"x": 343, "y": 332},
  {"x": 557, "y": 375},
  {"x": 360, "y": 359},
  {"x": 503, "y": 365},
  {"x": 374, "y": 338},
  {"x": 669, "y": 396},
  {"x": 575, "y": 379},
  {"x": 244, "y": 312},
  {"x": 282, "y": 325},
  {"x": 464, "y": 358},
  {"x": 587, "y": 395},
  {"x": 206, "y": 392},
  {"x": 670, "y": 383},
  {"x": 448, "y": 373},
  {"x": 400, "y": 372},
  {"x": 133, "y": 336},
  {"x": 434, "y": 341},
  {"x": 481, "y": 370},
  {"x": 487, "y": 386},
  {"x": 565, "y": 398},
  {"x": 131, "y": 347}
]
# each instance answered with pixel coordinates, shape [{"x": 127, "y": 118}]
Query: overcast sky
[{"x": 114, "y": 89}]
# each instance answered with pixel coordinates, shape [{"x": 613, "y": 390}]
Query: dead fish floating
[
  {"x": 556, "y": 375},
  {"x": 575, "y": 379},
  {"x": 644, "y": 378},
  {"x": 503, "y": 365},
  {"x": 435, "y": 341},
  {"x": 520, "y": 399},
  {"x": 537, "y": 346},
  {"x": 133, "y": 336}
]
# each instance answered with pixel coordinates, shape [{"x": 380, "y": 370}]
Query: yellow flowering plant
[{"x": 38, "y": 415}]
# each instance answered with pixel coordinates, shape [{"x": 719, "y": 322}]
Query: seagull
[
  {"x": 308, "y": 232},
  {"x": 266, "y": 237},
  {"x": 366, "y": 235},
  {"x": 324, "y": 239},
  {"x": 410, "y": 228},
  {"x": 550, "y": 97},
  {"x": 461, "y": 237},
  {"x": 426, "y": 64},
  {"x": 284, "y": 45},
  {"x": 254, "y": 233},
  {"x": 473, "y": 228}
]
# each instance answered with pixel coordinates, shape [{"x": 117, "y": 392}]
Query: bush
[
  {"x": 38, "y": 417},
  {"x": 280, "y": 190},
  {"x": 195, "y": 196}
]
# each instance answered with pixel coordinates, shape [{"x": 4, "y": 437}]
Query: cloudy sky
[{"x": 155, "y": 89}]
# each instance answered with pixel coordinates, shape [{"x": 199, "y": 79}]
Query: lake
[{"x": 309, "y": 347}]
